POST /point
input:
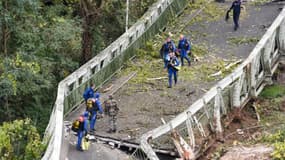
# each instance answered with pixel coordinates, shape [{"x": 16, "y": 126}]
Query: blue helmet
[{"x": 97, "y": 95}]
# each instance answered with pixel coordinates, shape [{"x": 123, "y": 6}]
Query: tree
[
  {"x": 89, "y": 12},
  {"x": 42, "y": 47},
  {"x": 19, "y": 140}
]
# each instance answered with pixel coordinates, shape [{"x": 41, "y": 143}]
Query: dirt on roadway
[{"x": 144, "y": 102}]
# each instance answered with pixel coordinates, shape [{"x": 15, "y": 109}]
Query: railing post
[
  {"x": 253, "y": 78},
  {"x": 266, "y": 57},
  {"x": 281, "y": 37},
  {"x": 189, "y": 122},
  {"x": 236, "y": 93},
  {"x": 217, "y": 113}
]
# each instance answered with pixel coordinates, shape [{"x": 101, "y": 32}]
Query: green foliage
[
  {"x": 138, "y": 8},
  {"x": 211, "y": 11},
  {"x": 19, "y": 140},
  {"x": 242, "y": 40},
  {"x": 273, "y": 91},
  {"x": 278, "y": 141},
  {"x": 43, "y": 47},
  {"x": 200, "y": 50}
]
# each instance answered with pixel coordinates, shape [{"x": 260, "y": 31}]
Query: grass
[
  {"x": 273, "y": 91},
  {"x": 259, "y": 2},
  {"x": 242, "y": 40},
  {"x": 272, "y": 109},
  {"x": 211, "y": 12}
]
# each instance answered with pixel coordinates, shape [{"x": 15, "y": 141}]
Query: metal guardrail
[
  {"x": 232, "y": 92},
  {"x": 102, "y": 67}
]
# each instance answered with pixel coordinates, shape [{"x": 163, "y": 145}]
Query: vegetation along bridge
[{"x": 203, "y": 116}]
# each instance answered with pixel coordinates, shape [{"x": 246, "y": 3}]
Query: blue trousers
[
  {"x": 80, "y": 135},
  {"x": 93, "y": 121},
  {"x": 236, "y": 19},
  {"x": 171, "y": 72},
  {"x": 182, "y": 59}
]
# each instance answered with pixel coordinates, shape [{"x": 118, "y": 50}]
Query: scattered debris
[
  {"x": 192, "y": 92},
  {"x": 260, "y": 152},
  {"x": 255, "y": 106},
  {"x": 184, "y": 150},
  {"x": 204, "y": 90},
  {"x": 108, "y": 88}
]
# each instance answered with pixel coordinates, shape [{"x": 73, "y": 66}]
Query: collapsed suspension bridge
[{"x": 231, "y": 93}]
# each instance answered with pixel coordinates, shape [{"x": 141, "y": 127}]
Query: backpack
[
  {"x": 89, "y": 105},
  {"x": 78, "y": 124}
]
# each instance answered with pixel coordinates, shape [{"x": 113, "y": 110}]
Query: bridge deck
[{"x": 141, "y": 110}]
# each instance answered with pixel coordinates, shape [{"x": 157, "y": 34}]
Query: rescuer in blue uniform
[
  {"x": 96, "y": 107},
  {"x": 172, "y": 67},
  {"x": 166, "y": 48},
  {"x": 236, "y": 7},
  {"x": 89, "y": 92},
  {"x": 184, "y": 48},
  {"x": 82, "y": 131}
]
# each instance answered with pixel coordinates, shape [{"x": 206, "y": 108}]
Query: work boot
[{"x": 79, "y": 149}]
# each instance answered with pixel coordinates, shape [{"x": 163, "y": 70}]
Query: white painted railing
[
  {"x": 245, "y": 82},
  {"x": 54, "y": 134}
]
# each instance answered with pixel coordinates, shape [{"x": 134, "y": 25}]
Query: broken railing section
[{"x": 228, "y": 97}]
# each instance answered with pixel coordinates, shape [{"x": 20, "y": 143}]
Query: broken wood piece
[
  {"x": 233, "y": 63},
  {"x": 192, "y": 92},
  {"x": 256, "y": 111},
  {"x": 108, "y": 88},
  {"x": 158, "y": 78},
  {"x": 226, "y": 68},
  {"x": 132, "y": 130},
  {"x": 216, "y": 74},
  {"x": 184, "y": 150},
  {"x": 204, "y": 90}
]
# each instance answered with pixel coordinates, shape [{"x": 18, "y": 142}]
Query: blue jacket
[
  {"x": 167, "y": 48},
  {"x": 173, "y": 61},
  {"x": 85, "y": 122},
  {"x": 236, "y": 5},
  {"x": 184, "y": 46},
  {"x": 88, "y": 93}
]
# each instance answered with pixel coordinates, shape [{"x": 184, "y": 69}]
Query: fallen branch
[
  {"x": 108, "y": 88},
  {"x": 233, "y": 64},
  {"x": 158, "y": 78},
  {"x": 226, "y": 68},
  {"x": 204, "y": 90},
  {"x": 256, "y": 111},
  {"x": 132, "y": 130}
]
